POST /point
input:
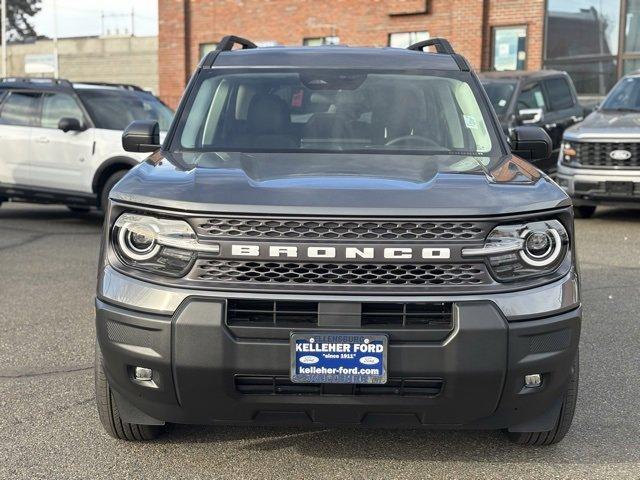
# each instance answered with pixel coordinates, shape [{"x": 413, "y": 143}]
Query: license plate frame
[{"x": 308, "y": 371}]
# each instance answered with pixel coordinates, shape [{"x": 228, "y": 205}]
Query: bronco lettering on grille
[{"x": 321, "y": 251}]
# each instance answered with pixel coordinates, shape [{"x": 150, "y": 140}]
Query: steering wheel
[{"x": 412, "y": 139}]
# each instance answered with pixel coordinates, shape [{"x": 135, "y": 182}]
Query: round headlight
[
  {"x": 538, "y": 244},
  {"x": 541, "y": 248},
  {"x": 138, "y": 241}
]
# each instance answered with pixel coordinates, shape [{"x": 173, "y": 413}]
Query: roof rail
[
  {"x": 124, "y": 86},
  {"x": 442, "y": 45},
  {"x": 225, "y": 45},
  {"x": 53, "y": 81},
  {"x": 229, "y": 41}
]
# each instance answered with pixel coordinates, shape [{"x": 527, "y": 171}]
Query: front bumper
[
  {"x": 197, "y": 361},
  {"x": 589, "y": 186}
]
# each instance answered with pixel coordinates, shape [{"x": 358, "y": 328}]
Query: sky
[{"x": 78, "y": 18}]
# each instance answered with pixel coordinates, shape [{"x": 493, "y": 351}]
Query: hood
[
  {"x": 606, "y": 124},
  {"x": 338, "y": 184}
]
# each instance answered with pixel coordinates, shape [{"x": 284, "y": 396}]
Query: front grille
[
  {"x": 305, "y": 314},
  {"x": 289, "y": 228},
  {"x": 597, "y": 154},
  {"x": 424, "y": 315},
  {"x": 281, "y": 385},
  {"x": 333, "y": 274},
  {"x": 268, "y": 313}
]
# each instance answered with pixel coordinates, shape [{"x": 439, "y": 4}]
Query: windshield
[
  {"x": 115, "y": 110},
  {"x": 625, "y": 96},
  {"x": 499, "y": 93},
  {"x": 328, "y": 111}
]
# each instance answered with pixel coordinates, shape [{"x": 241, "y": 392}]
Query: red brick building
[{"x": 492, "y": 34}]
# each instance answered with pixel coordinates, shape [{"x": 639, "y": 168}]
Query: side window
[
  {"x": 531, "y": 97},
  {"x": 559, "y": 93},
  {"x": 59, "y": 105},
  {"x": 19, "y": 109}
]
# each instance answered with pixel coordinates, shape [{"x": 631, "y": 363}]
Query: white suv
[{"x": 61, "y": 142}]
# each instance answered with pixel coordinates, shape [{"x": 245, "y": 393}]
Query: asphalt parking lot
[{"x": 49, "y": 426}]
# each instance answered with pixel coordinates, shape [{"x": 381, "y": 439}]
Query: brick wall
[
  {"x": 186, "y": 24},
  {"x": 94, "y": 59}
]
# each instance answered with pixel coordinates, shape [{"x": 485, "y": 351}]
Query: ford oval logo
[
  {"x": 369, "y": 360},
  {"x": 309, "y": 359},
  {"x": 620, "y": 154}
]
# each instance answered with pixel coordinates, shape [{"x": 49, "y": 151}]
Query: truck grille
[
  {"x": 288, "y": 228},
  {"x": 335, "y": 274},
  {"x": 597, "y": 154}
]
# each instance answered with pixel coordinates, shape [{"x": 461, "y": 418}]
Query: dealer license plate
[{"x": 338, "y": 358}]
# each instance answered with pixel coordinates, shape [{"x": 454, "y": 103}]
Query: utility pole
[
  {"x": 133, "y": 17},
  {"x": 3, "y": 19},
  {"x": 56, "y": 64}
]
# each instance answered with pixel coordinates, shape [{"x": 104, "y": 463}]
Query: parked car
[
  {"x": 337, "y": 235},
  {"x": 599, "y": 163},
  {"x": 61, "y": 141},
  {"x": 545, "y": 98}
]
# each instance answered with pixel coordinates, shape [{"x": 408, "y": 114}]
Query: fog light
[
  {"x": 533, "y": 381},
  {"x": 143, "y": 374}
]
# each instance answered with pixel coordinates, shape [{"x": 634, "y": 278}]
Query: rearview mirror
[
  {"x": 141, "y": 136},
  {"x": 530, "y": 143},
  {"x": 69, "y": 124},
  {"x": 530, "y": 115}
]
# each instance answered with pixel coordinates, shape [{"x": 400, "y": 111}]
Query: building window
[
  {"x": 318, "y": 41},
  {"x": 206, "y": 48},
  {"x": 582, "y": 39},
  {"x": 509, "y": 48},
  {"x": 404, "y": 39}
]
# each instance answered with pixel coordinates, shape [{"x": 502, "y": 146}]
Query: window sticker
[
  {"x": 470, "y": 122},
  {"x": 539, "y": 99}
]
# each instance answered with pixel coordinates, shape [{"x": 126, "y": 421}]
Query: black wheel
[
  {"x": 108, "y": 185},
  {"x": 108, "y": 411},
  {"x": 584, "y": 211},
  {"x": 564, "y": 420},
  {"x": 79, "y": 210}
]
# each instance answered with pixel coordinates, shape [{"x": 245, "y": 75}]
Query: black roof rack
[
  {"x": 442, "y": 46},
  {"x": 226, "y": 44},
  {"x": 229, "y": 41},
  {"x": 36, "y": 80},
  {"x": 124, "y": 86}
]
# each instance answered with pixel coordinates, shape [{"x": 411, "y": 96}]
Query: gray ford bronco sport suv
[{"x": 335, "y": 235}]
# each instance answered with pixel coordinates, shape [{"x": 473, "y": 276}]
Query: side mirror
[
  {"x": 530, "y": 115},
  {"x": 530, "y": 143},
  {"x": 69, "y": 124},
  {"x": 141, "y": 136}
]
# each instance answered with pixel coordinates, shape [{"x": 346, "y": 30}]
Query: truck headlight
[
  {"x": 522, "y": 251},
  {"x": 157, "y": 245},
  {"x": 568, "y": 153}
]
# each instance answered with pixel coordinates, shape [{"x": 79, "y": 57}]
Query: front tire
[
  {"x": 108, "y": 185},
  {"x": 109, "y": 414},
  {"x": 564, "y": 419},
  {"x": 584, "y": 211}
]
